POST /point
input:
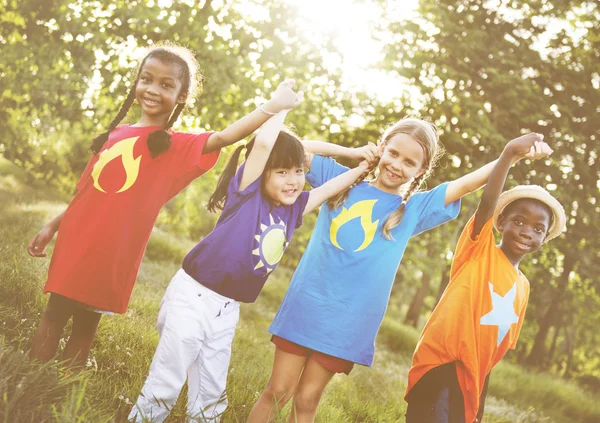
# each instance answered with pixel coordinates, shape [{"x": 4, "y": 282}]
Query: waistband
[{"x": 199, "y": 288}]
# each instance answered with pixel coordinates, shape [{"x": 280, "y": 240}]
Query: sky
[{"x": 352, "y": 23}]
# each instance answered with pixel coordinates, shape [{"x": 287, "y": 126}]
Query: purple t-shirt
[{"x": 247, "y": 242}]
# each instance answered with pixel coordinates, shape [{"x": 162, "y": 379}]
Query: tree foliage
[{"x": 482, "y": 70}]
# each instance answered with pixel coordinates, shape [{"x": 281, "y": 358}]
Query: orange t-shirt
[{"x": 478, "y": 318}]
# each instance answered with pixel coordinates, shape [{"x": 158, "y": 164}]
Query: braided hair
[
  {"x": 337, "y": 200},
  {"x": 160, "y": 140},
  {"x": 425, "y": 133}
]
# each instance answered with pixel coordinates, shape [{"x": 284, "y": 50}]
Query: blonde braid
[
  {"x": 395, "y": 217},
  {"x": 338, "y": 200}
]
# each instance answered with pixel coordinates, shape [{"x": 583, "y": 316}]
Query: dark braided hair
[
  {"x": 160, "y": 140},
  {"x": 102, "y": 138}
]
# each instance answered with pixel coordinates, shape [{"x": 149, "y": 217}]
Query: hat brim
[{"x": 535, "y": 192}]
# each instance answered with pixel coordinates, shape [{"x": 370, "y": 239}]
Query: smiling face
[
  {"x": 524, "y": 225},
  {"x": 401, "y": 160},
  {"x": 283, "y": 186},
  {"x": 159, "y": 90}
]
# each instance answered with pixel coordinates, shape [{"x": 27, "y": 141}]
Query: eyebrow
[{"x": 167, "y": 78}]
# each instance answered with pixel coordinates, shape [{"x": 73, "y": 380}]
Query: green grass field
[{"x": 125, "y": 344}]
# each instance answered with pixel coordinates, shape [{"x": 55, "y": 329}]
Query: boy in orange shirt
[{"x": 481, "y": 312}]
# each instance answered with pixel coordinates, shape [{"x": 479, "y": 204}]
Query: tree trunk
[
  {"x": 414, "y": 310},
  {"x": 552, "y": 350},
  {"x": 538, "y": 351},
  {"x": 570, "y": 339}
]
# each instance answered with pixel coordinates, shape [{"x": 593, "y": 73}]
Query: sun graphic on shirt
[{"x": 272, "y": 243}]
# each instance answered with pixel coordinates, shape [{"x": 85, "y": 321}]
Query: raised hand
[
  {"x": 529, "y": 146},
  {"x": 284, "y": 98},
  {"x": 368, "y": 152}
]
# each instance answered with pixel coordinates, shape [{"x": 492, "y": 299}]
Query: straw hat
[{"x": 538, "y": 193}]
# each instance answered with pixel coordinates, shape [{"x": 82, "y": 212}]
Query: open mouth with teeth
[
  {"x": 290, "y": 192},
  {"x": 391, "y": 175},
  {"x": 151, "y": 102}
]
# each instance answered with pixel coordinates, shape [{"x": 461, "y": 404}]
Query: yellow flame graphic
[
  {"x": 362, "y": 209},
  {"x": 123, "y": 149}
]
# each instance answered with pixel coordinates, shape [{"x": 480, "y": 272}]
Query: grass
[{"x": 125, "y": 344}]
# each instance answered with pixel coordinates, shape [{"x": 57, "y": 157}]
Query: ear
[
  {"x": 501, "y": 222},
  {"x": 381, "y": 147},
  {"x": 182, "y": 98}
]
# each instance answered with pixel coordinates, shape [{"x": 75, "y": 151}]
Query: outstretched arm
[
  {"x": 37, "y": 246},
  {"x": 367, "y": 152},
  {"x": 478, "y": 178},
  {"x": 531, "y": 146},
  {"x": 334, "y": 186},
  {"x": 283, "y": 98}
]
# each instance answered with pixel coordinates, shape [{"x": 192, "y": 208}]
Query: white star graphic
[{"x": 503, "y": 311}]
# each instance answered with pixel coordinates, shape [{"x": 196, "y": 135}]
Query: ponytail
[
  {"x": 216, "y": 201},
  {"x": 99, "y": 141}
]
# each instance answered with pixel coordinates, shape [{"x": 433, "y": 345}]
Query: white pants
[{"x": 196, "y": 327}]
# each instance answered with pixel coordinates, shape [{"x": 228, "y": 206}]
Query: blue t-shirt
[
  {"x": 341, "y": 288},
  {"x": 247, "y": 242}
]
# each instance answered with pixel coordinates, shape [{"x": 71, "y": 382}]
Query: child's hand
[
  {"x": 364, "y": 165},
  {"x": 37, "y": 246},
  {"x": 368, "y": 152},
  {"x": 530, "y": 146},
  {"x": 284, "y": 98}
]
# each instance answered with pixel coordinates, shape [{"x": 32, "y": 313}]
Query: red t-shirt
[
  {"x": 104, "y": 232},
  {"x": 478, "y": 318}
]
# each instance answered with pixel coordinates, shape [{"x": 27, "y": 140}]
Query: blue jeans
[{"x": 436, "y": 398}]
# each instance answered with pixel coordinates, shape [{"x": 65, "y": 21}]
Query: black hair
[
  {"x": 287, "y": 153},
  {"x": 160, "y": 140}
]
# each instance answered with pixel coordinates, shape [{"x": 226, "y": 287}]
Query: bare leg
[
  {"x": 85, "y": 324},
  {"x": 287, "y": 369},
  {"x": 313, "y": 382},
  {"x": 55, "y": 317}
]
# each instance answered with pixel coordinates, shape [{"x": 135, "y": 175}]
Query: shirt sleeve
[
  {"x": 234, "y": 194},
  {"x": 87, "y": 172},
  {"x": 468, "y": 248},
  {"x": 322, "y": 169},
  {"x": 431, "y": 208},
  {"x": 299, "y": 207},
  {"x": 191, "y": 161}
]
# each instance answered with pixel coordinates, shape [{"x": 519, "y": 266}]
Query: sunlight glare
[{"x": 351, "y": 27}]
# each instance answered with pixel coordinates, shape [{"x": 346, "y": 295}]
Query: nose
[
  {"x": 396, "y": 167},
  {"x": 295, "y": 180},
  {"x": 526, "y": 232}
]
